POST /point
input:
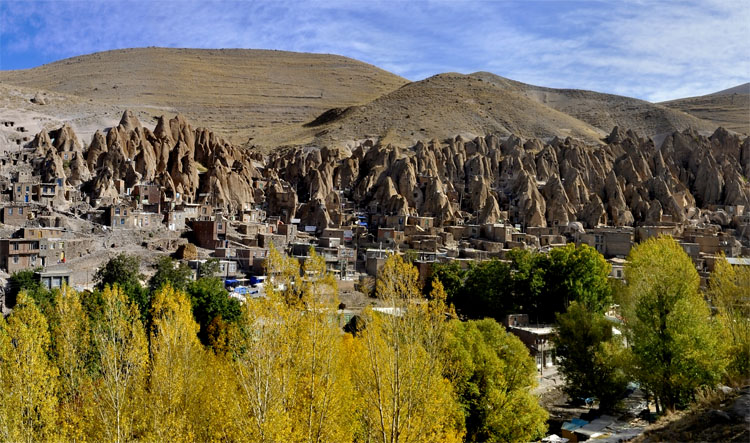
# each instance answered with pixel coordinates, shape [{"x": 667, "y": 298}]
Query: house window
[
  {"x": 15, "y": 246},
  {"x": 19, "y": 189},
  {"x": 10, "y": 211},
  {"x": 117, "y": 211},
  {"x": 122, "y": 221},
  {"x": 219, "y": 227},
  {"x": 27, "y": 189},
  {"x": 15, "y": 259},
  {"x": 20, "y": 211}
]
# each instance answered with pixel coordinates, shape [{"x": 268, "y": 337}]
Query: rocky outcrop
[{"x": 626, "y": 181}]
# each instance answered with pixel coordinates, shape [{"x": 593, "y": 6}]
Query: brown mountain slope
[
  {"x": 729, "y": 108},
  {"x": 443, "y": 106},
  {"x": 238, "y": 92},
  {"x": 605, "y": 111}
]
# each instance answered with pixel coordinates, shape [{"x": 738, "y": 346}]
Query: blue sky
[{"x": 655, "y": 50}]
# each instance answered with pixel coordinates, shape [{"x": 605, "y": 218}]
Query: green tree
[
  {"x": 485, "y": 292},
  {"x": 177, "y": 274},
  {"x": 124, "y": 271},
  {"x": 677, "y": 346},
  {"x": 210, "y": 301},
  {"x": 27, "y": 282},
  {"x": 587, "y": 352},
  {"x": 493, "y": 375},
  {"x": 450, "y": 275},
  {"x": 529, "y": 283},
  {"x": 545, "y": 284},
  {"x": 209, "y": 268}
]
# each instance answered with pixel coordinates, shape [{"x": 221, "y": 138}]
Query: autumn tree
[
  {"x": 71, "y": 351},
  {"x": 397, "y": 369},
  {"x": 729, "y": 290},
  {"x": 177, "y": 376},
  {"x": 28, "y": 380},
  {"x": 286, "y": 355},
  {"x": 122, "y": 353},
  {"x": 676, "y": 344},
  {"x": 494, "y": 374}
]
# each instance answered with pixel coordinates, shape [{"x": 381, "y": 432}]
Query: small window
[
  {"x": 15, "y": 259},
  {"x": 15, "y": 246},
  {"x": 27, "y": 189},
  {"x": 10, "y": 211},
  {"x": 20, "y": 211},
  {"x": 122, "y": 221},
  {"x": 19, "y": 189},
  {"x": 117, "y": 211}
]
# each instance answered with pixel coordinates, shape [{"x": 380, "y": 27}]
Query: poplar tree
[
  {"x": 122, "y": 353},
  {"x": 396, "y": 370},
  {"x": 71, "y": 349},
  {"x": 729, "y": 290},
  {"x": 28, "y": 380},
  {"x": 177, "y": 376}
]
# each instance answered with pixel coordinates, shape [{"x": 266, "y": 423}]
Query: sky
[{"x": 654, "y": 50}]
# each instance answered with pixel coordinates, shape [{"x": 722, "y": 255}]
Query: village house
[
  {"x": 30, "y": 248},
  {"x": 16, "y": 214},
  {"x": 209, "y": 234}
]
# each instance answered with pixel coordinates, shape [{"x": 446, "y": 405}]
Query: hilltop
[
  {"x": 241, "y": 93},
  {"x": 269, "y": 99},
  {"x": 605, "y": 111},
  {"x": 729, "y": 108}
]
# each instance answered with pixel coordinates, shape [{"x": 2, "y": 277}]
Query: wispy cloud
[{"x": 654, "y": 50}]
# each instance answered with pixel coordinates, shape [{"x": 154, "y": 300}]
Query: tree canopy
[{"x": 677, "y": 345}]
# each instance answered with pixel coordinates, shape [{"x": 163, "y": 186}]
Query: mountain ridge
[{"x": 268, "y": 98}]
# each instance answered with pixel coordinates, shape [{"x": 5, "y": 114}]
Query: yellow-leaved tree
[
  {"x": 71, "y": 345},
  {"x": 286, "y": 356},
  {"x": 122, "y": 352},
  {"x": 177, "y": 376},
  {"x": 729, "y": 289},
  {"x": 28, "y": 380},
  {"x": 397, "y": 366}
]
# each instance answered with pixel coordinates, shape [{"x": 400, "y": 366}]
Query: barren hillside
[
  {"x": 238, "y": 92},
  {"x": 605, "y": 111},
  {"x": 445, "y": 105},
  {"x": 729, "y": 108}
]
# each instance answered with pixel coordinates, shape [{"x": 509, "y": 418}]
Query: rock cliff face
[
  {"x": 624, "y": 182},
  {"x": 627, "y": 180},
  {"x": 193, "y": 165}
]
